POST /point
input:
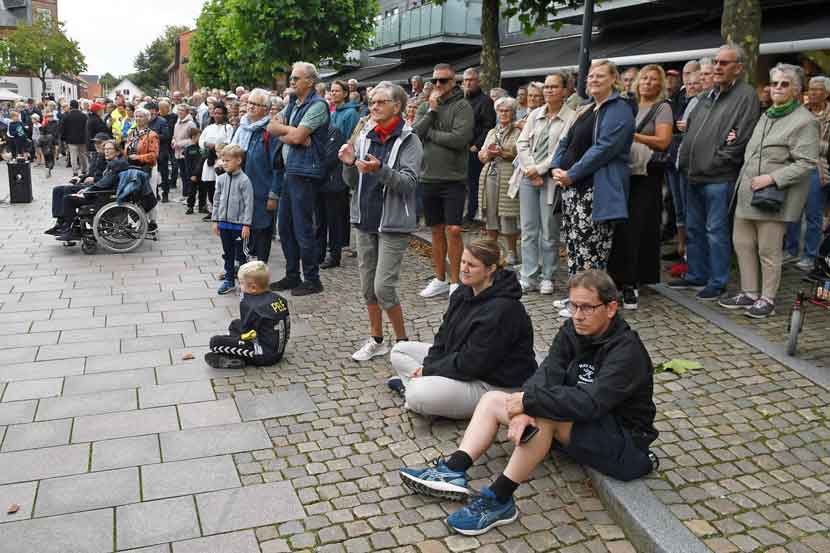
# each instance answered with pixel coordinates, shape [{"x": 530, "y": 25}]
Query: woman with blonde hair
[{"x": 635, "y": 255}]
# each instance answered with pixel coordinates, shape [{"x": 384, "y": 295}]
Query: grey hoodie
[
  {"x": 398, "y": 176},
  {"x": 233, "y": 201}
]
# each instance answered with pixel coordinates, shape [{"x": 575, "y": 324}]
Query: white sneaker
[
  {"x": 435, "y": 288},
  {"x": 565, "y": 314},
  {"x": 453, "y": 287},
  {"x": 546, "y": 287},
  {"x": 561, "y": 304},
  {"x": 528, "y": 285},
  {"x": 370, "y": 349},
  {"x": 805, "y": 264}
]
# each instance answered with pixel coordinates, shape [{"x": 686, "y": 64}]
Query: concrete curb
[
  {"x": 649, "y": 525},
  {"x": 776, "y": 351},
  {"x": 647, "y": 522}
]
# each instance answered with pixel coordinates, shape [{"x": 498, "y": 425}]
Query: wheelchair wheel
[{"x": 120, "y": 228}]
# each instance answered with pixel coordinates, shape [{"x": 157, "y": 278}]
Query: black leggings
[{"x": 206, "y": 190}]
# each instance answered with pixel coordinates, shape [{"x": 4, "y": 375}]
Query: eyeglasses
[
  {"x": 257, "y": 105},
  {"x": 443, "y": 80},
  {"x": 780, "y": 84},
  {"x": 586, "y": 308},
  {"x": 295, "y": 78},
  {"x": 724, "y": 63},
  {"x": 378, "y": 102}
]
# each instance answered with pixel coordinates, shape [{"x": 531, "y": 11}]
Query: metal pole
[{"x": 585, "y": 47}]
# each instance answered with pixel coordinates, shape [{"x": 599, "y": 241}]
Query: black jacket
[
  {"x": 73, "y": 127},
  {"x": 109, "y": 180},
  {"x": 194, "y": 161},
  {"x": 485, "y": 117},
  {"x": 584, "y": 378},
  {"x": 486, "y": 337},
  {"x": 267, "y": 315},
  {"x": 95, "y": 125},
  {"x": 159, "y": 124},
  {"x": 97, "y": 166}
]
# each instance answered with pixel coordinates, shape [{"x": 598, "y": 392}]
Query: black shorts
[
  {"x": 444, "y": 203},
  {"x": 606, "y": 446}
]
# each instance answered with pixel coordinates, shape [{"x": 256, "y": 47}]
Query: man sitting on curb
[{"x": 591, "y": 398}]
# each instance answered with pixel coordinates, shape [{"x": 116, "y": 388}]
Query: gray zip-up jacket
[
  {"x": 233, "y": 201},
  {"x": 398, "y": 176},
  {"x": 704, "y": 153}
]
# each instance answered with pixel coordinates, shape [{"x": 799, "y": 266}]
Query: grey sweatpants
[{"x": 435, "y": 395}]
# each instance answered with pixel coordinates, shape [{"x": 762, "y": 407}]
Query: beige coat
[
  {"x": 786, "y": 148},
  {"x": 508, "y": 207}
]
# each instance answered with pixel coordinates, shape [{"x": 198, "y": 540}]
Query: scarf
[
  {"x": 246, "y": 130},
  {"x": 776, "y": 112},
  {"x": 384, "y": 131},
  {"x": 135, "y": 140}
]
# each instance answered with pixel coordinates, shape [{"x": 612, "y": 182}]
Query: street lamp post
[{"x": 585, "y": 47}]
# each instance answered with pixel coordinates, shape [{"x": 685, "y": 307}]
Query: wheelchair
[{"x": 119, "y": 228}]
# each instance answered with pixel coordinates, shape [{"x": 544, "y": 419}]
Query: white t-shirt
[{"x": 214, "y": 134}]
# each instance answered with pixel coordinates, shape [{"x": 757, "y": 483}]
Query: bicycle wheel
[{"x": 796, "y": 320}]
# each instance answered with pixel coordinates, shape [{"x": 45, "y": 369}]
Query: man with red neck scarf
[{"x": 381, "y": 167}]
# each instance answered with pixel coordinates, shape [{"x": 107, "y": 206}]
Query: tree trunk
[
  {"x": 741, "y": 24},
  {"x": 490, "y": 43}
]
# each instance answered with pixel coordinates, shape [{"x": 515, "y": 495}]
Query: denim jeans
[
  {"x": 296, "y": 226},
  {"x": 678, "y": 185},
  {"x": 540, "y": 233},
  {"x": 814, "y": 214},
  {"x": 234, "y": 253},
  {"x": 708, "y": 234}
]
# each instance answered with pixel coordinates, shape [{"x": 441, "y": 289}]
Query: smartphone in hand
[{"x": 528, "y": 434}]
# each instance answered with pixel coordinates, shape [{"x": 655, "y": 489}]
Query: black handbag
[{"x": 769, "y": 199}]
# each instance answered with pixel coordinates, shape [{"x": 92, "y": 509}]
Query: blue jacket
[
  {"x": 607, "y": 160},
  {"x": 306, "y": 161},
  {"x": 345, "y": 118},
  {"x": 267, "y": 183}
]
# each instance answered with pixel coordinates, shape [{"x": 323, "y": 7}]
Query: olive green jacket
[{"x": 446, "y": 134}]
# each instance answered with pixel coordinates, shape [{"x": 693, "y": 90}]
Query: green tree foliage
[
  {"x": 741, "y": 24},
  {"x": 43, "y": 47},
  {"x": 250, "y": 41},
  {"x": 5, "y": 57},
  {"x": 108, "y": 82},
  {"x": 152, "y": 62}
]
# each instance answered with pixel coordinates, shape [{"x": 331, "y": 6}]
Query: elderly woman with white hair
[
  {"x": 819, "y": 195},
  {"x": 143, "y": 143},
  {"x": 772, "y": 189},
  {"x": 181, "y": 140},
  {"x": 499, "y": 211}
]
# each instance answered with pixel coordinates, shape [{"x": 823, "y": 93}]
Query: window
[{"x": 514, "y": 25}]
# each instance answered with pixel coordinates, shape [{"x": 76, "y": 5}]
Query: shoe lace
[{"x": 478, "y": 503}]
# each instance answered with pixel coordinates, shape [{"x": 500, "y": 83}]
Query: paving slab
[
  {"x": 174, "y": 394},
  {"x": 42, "y": 369},
  {"x": 156, "y": 522},
  {"x": 68, "y": 324},
  {"x": 34, "y": 464},
  {"x": 23, "y": 340},
  {"x": 214, "y": 440},
  {"x": 125, "y": 452},
  {"x": 147, "y": 343},
  {"x": 126, "y": 361},
  {"x": 124, "y": 424},
  {"x": 86, "y": 404},
  {"x": 32, "y": 389},
  {"x": 165, "y": 548},
  {"x": 23, "y": 495},
  {"x": 248, "y": 507},
  {"x": 88, "y": 532},
  {"x": 97, "y": 334},
  {"x": 279, "y": 404},
  {"x": 236, "y": 542},
  {"x": 18, "y": 355},
  {"x": 37, "y": 434},
  {"x": 189, "y": 371},
  {"x": 208, "y": 413},
  {"x": 17, "y": 412},
  {"x": 65, "y": 351},
  {"x": 101, "y": 382},
  {"x": 188, "y": 477},
  {"x": 83, "y": 492}
]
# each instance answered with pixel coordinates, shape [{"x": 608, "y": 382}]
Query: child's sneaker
[
  {"x": 483, "y": 513},
  {"x": 436, "y": 481},
  {"x": 222, "y": 361},
  {"x": 226, "y": 288}
]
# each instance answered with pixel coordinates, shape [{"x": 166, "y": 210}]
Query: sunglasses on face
[
  {"x": 443, "y": 80},
  {"x": 780, "y": 84}
]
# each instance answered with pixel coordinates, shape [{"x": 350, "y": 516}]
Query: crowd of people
[{"x": 551, "y": 173}]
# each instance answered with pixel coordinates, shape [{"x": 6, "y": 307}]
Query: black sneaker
[
  {"x": 152, "y": 226},
  {"x": 683, "y": 284},
  {"x": 396, "y": 385},
  {"x": 741, "y": 301},
  {"x": 165, "y": 199},
  {"x": 709, "y": 294},
  {"x": 59, "y": 228},
  {"x": 630, "y": 299},
  {"x": 329, "y": 263},
  {"x": 655, "y": 460},
  {"x": 189, "y": 211},
  {"x": 284, "y": 284},
  {"x": 761, "y": 309},
  {"x": 222, "y": 361},
  {"x": 206, "y": 217},
  {"x": 307, "y": 288}
]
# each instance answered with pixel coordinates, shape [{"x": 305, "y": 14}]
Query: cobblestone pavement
[{"x": 111, "y": 441}]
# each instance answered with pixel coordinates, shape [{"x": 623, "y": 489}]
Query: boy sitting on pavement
[
  {"x": 591, "y": 398},
  {"x": 261, "y": 332},
  {"x": 233, "y": 210}
]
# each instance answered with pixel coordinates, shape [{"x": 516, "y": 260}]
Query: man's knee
[
  {"x": 438, "y": 230},
  {"x": 454, "y": 232}
]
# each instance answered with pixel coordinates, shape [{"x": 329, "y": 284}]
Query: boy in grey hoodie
[{"x": 233, "y": 211}]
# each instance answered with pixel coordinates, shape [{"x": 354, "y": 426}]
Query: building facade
[{"x": 177, "y": 74}]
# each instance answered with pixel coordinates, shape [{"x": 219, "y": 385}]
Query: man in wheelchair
[{"x": 98, "y": 190}]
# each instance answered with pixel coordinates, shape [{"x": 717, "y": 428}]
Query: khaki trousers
[{"x": 759, "y": 244}]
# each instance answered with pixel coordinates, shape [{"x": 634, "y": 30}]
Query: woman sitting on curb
[{"x": 484, "y": 343}]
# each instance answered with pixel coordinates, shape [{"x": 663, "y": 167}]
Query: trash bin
[{"x": 20, "y": 182}]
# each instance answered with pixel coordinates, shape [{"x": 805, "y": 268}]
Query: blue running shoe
[
  {"x": 226, "y": 288},
  {"x": 482, "y": 513},
  {"x": 436, "y": 481}
]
